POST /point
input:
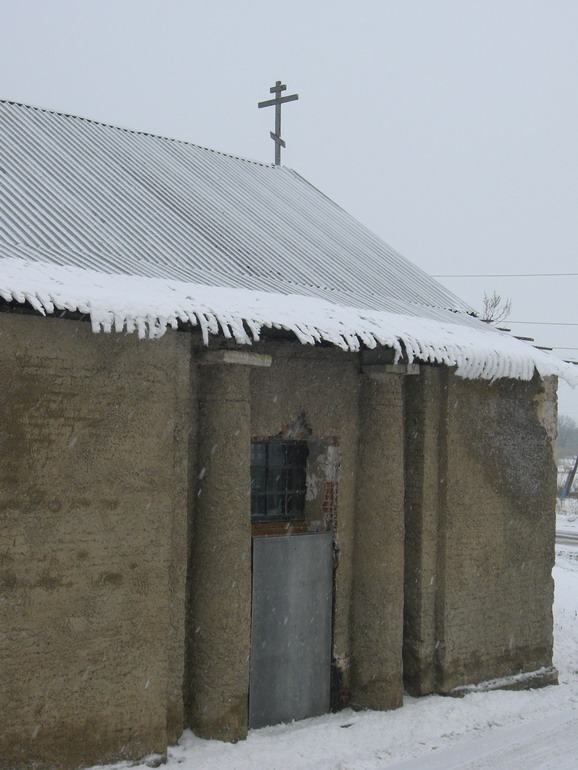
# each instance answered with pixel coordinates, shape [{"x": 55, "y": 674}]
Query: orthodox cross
[{"x": 278, "y": 101}]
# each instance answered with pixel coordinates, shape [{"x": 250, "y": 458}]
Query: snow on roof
[
  {"x": 141, "y": 232},
  {"x": 148, "y": 306}
]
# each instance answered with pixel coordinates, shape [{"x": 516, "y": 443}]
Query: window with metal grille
[{"x": 278, "y": 480}]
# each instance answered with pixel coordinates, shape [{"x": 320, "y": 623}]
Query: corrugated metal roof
[{"x": 82, "y": 193}]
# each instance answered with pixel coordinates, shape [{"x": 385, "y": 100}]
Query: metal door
[{"x": 291, "y": 627}]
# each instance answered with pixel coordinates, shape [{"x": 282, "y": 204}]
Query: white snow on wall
[{"x": 148, "y": 306}]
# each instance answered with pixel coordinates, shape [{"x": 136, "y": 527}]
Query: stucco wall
[
  {"x": 377, "y": 597},
  {"x": 220, "y": 568},
  {"x": 425, "y": 438},
  {"x": 108, "y": 442},
  {"x": 93, "y": 461},
  {"x": 480, "y": 526},
  {"x": 500, "y": 529}
]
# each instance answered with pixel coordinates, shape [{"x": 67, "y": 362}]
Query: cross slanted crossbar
[{"x": 277, "y": 102}]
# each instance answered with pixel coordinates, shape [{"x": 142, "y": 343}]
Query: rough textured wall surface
[
  {"x": 480, "y": 528},
  {"x": 377, "y": 606},
  {"x": 220, "y": 595},
  {"x": 93, "y": 432},
  {"x": 107, "y": 442},
  {"x": 424, "y": 470},
  {"x": 317, "y": 389},
  {"x": 498, "y": 525}
]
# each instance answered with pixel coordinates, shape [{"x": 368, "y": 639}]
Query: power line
[
  {"x": 542, "y": 323},
  {"x": 506, "y": 275}
]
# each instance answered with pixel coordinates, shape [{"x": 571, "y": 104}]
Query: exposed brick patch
[{"x": 329, "y": 504}]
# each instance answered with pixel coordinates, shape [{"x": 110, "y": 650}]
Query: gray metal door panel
[{"x": 291, "y": 628}]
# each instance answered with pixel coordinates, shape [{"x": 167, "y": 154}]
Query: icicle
[
  {"x": 366, "y": 338},
  {"x": 141, "y": 328},
  {"x": 119, "y": 322},
  {"x": 125, "y": 302},
  {"x": 36, "y": 304},
  {"x": 224, "y": 327},
  {"x": 59, "y": 302},
  {"x": 204, "y": 327},
  {"x": 352, "y": 342},
  {"x": 45, "y": 299},
  {"x": 410, "y": 348},
  {"x": 304, "y": 338},
  {"x": 312, "y": 333},
  {"x": 212, "y": 323},
  {"x": 254, "y": 328},
  {"x": 156, "y": 326},
  {"x": 239, "y": 333}
]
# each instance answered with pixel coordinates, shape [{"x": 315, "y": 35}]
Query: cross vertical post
[{"x": 277, "y": 89}]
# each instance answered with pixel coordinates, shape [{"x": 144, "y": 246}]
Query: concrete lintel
[
  {"x": 238, "y": 357},
  {"x": 383, "y": 370}
]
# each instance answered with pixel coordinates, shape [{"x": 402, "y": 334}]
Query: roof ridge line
[{"x": 50, "y": 111}]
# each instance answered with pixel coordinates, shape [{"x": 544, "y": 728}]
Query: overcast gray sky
[{"x": 449, "y": 127}]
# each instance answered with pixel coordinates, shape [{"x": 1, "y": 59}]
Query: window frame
[{"x": 278, "y": 480}]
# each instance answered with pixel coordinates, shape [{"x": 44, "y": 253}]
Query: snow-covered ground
[
  {"x": 567, "y": 517},
  {"x": 534, "y": 730}
]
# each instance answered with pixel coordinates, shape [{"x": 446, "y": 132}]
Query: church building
[{"x": 255, "y": 465}]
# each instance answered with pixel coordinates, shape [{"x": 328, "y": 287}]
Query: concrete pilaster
[
  {"x": 377, "y": 601},
  {"x": 424, "y": 552},
  {"x": 221, "y": 557}
]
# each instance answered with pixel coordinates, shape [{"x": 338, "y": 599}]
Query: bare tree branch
[{"x": 495, "y": 309}]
